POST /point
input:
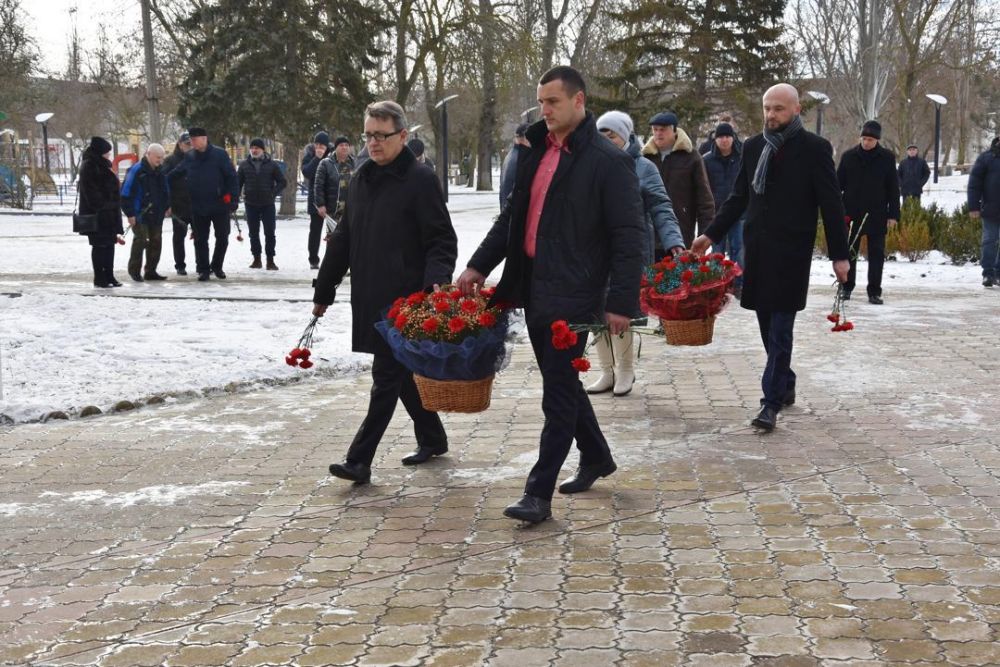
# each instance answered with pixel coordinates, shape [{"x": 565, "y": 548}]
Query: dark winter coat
[
  {"x": 660, "y": 218},
  {"x": 145, "y": 194},
  {"x": 707, "y": 145},
  {"x": 780, "y": 229},
  {"x": 870, "y": 187},
  {"x": 508, "y": 172},
  {"x": 328, "y": 181},
  {"x": 590, "y": 239},
  {"x": 721, "y": 170},
  {"x": 984, "y": 184},
  {"x": 395, "y": 237},
  {"x": 210, "y": 176},
  {"x": 913, "y": 174},
  {"x": 310, "y": 163},
  {"x": 683, "y": 172},
  {"x": 260, "y": 181},
  {"x": 180, "y": 198},
  {"x": 99, "y": 193}
]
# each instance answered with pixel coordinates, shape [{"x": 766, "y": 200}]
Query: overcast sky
[{"x": 49, "y": 22}]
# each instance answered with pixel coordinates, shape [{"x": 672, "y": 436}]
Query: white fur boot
[
  {"x": 607, "y": 379},
  {"x": 624, "y": 363}
]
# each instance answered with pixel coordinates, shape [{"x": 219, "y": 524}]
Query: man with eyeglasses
[{"x": 396, "y": 238}]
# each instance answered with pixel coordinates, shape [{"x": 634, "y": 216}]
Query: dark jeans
[
  {"x": 255, "y": 216},
  {"x": 102, "y": 258},
  {"x": 391, "y": 381},
  {"x": 315, "y": 236},
  {"x": 568, "y": 414},
  {"x": 776, "y": 330},
  {"x": 876, "y": 260},
  {"x": 148, "y": 238},
  {"x": 178, "y": 240},
  {"x": 202, "y": 224}
]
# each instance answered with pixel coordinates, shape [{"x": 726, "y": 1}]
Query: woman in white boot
[{"x": 616, "y": 354}]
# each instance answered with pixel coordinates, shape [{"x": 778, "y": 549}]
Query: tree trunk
[{"x": 487, "y": 113}]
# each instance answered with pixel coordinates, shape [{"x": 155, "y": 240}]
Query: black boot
[
  {"x": 424, "y": 454},
  {"x": 109, "y": 266},
  {"x": 358, "y": 473},
  {"x": 586, "y": 476},
  {"x": 529, "y": 508},
  {"x": 765, "y": 419}
]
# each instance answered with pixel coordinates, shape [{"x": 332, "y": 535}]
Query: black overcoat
[
  {"x": 870, "y": 186},
  {"x": 590, "y": 240},
  {"x": 395, "y": 237},
  {"x": 779, "y": 234},
  {"x": 99, "y": 193}
]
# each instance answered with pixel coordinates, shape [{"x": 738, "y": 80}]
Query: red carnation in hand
[
  {"x": 559, "y": 326},
  {"x": 295, "y": 354},
  {"x": 456, "y": 324},
  {"x": 487, "y": 319},
  {"x": 430, "y": 325},
  {"x": 227, "y": 198},
  {"x": 291, "y": 361},
  {"x": 305, "y": 363},
  {"x": 581, "y": 364},
  {"x": 848, "y": 326},
  {"x": 833, "y": 317},
  {"x": 687, "y": 276},
  {"x": 563, "y": 340},
  {"x": 305, "y": 353}
]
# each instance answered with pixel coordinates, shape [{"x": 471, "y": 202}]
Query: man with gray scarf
[{"x": 787, "y": 175}]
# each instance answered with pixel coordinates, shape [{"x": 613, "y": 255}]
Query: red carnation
[
  {"x": 456, "y": 324},
  {"x": 487, "y": 291},
  {"x": 560, "y": 325},
  {"x": 401, "y": 321},
  {"x": 705, "y": 259},
  {"x": 728, "y": 263},
  {"x": 705, "y": 268},
  {"x": 469, "y": 306},
  {"x": 581, "y": 364},
  {"x": 295, "y": 354},
  {"x": 688, "y": 259},
  {"x": 670, "y": 266},
  {"x": 833, "y": 317},
  {"x": 455, "y": 294},
  {"x": 393, "y": 313},
  {"x": 399, "y": 301},
  {"x": 441, "y": 306},
  {"x": 687, "y": 276},
  {"x": 487, "y": 319},
  {"x": 658, "y": 277},
  {"x": 227, "y": 198},
  {"x": 430, "y": 325},
  {"x": 291, "y": 361},
  {"x": 416, "y": 298},
  {"x": 563, "y": 340},
  {"x": 305, "y": 353},
  {"x": 848, "y": 326},
  {"x": 305, "y": 363},
  {"x": 718, "y": 256}
]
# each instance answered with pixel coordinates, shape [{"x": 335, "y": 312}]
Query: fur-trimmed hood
[{"x": 683, "y": 144}]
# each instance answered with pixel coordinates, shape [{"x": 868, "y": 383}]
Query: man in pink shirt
[{"x": 572, "y": 235}]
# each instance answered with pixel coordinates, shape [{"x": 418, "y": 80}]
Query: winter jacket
[
  {"x": 984, "y": 184},
  {"x": 870, "y": 187},
  {"x": 331, "y": 177},
  {"x": 707, "y": 145},
  {"x": 180, "y": 198},
  {"x": 509, "y": 171},
  {"x": 780, "y": 229},
  {"x": 913, "y": 174},
  {"x": 683, "y": 173},
  {"x": 260, "y": 181},
  {"x": 395, "y": 237},
  {"x": 145, "y": 194},
  {"x": 590, "y": 238},
  {"x": 310, "y": 163},
  {"x": 721, "y": 170},
  {"x": 99, "y": 193},
  {"x": 210, "y": 176},
  {"x": 656, "y": 204}
]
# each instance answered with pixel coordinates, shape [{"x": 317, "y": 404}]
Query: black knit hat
[
  {"x": 197, "y": 132},
  {"x": 258, "y": 142},
  {"x": 724, "y": 130},
  {"x": 416, "y": 146},
  {"x": 321, "y": 137},
  {"x": 341, "y": 140},
  {"x": 872, "y": 129},
  {"x": 99, "y": 145}
]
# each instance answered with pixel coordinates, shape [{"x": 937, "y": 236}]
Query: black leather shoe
[
  {"x": 136, "y": 277},
  {"x": 424, "y": 454},
  {"x": 358, "y": 473},
  {"x": 765, "y": 419},
  {"x": 989, "y": 282},
  {"x": 114, "y": 282},
  {"x": 586, "y": 476},
  {"x": 102, "y": 284},
  {"x": 787, "y": 401},
  {"x": 154, "y": 276},
  {"x": 182, "y": 272},
  {"x": 529, "y": 508},
  {"x": 877, "y": 300},
  {"x": 219, "y": 273},
  {"x": 202, "y": 277}
]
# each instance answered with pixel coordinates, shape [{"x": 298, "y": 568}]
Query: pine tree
[{"x": 679, "y": 54}]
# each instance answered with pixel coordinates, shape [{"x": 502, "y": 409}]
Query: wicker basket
[
  {"x": 454, "y": 395},
  {"x": 689, "y": 332}
]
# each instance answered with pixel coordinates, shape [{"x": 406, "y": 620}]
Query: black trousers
[
  {"x": 568, "y": 414},
  {"x": 391, "y": 381},
  {"x": 876, "y": 261},
  {"x": 315, "y": 235},
  {"x": 257, "y": 215},
  {"x": 776, "y": 332},
  {"x": 202, "y": 225},
  {"x": 178, "y": 239},
  {"x": 102, "y": 258}
]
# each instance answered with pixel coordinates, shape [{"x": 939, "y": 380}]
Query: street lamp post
[
  {"x": 44, "y": 118},
  {"x": 939, "y": 101},
  {"x": 69, "y": 151},
  {"x": 823, "y": 100},
  {"x": 443, "y": 105}
]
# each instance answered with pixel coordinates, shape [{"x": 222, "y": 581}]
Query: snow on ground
[{"x": 65, "y": 344}]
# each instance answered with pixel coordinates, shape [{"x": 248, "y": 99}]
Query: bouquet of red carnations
[{"x": 299, "y": 356}]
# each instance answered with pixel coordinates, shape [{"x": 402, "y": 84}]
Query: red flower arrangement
[
  {"x": 445, "y": 315},
  {"x": 301, "y": 353},
  {"x": 687, "y": 287},
  {"x": 839, "y": 314}
]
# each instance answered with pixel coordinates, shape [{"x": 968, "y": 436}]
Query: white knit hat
[{"x": 618, "y": 122}]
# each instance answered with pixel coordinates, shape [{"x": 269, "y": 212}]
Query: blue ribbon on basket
[{"x": 475, "y": 358}]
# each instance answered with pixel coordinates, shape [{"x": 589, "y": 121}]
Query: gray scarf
[{"x": 775, "y": 140}]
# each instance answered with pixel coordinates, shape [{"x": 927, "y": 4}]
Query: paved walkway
[{"x": 864, "y": 531}]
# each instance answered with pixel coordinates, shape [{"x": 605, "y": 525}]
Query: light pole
[
  {"x": 69, "y": 150},
  {"x": 44, "y": 118},
  {"x": 939, "y": 101},
  {"x": 823, "y": 100},
  {"x": 443, "y": 105}
]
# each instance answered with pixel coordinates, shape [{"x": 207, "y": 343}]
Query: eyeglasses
[{"x": 378, "y": 137}]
